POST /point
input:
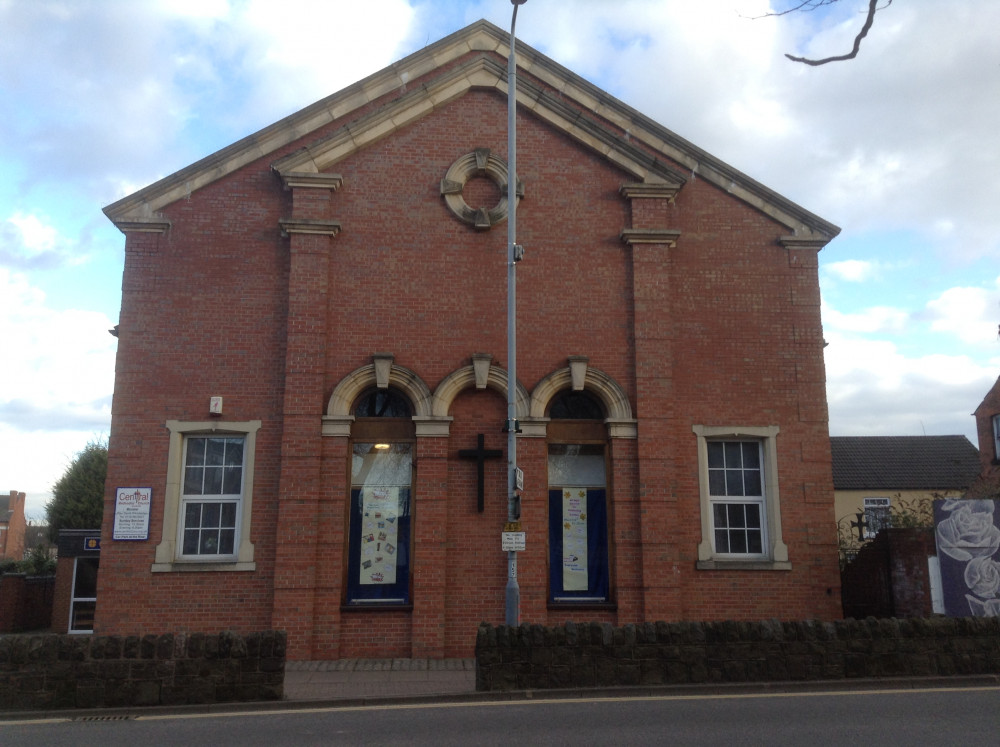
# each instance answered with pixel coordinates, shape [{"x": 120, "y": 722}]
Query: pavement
[{"x": 375, "y": 679}]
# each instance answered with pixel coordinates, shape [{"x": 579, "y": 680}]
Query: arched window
[
  {"x": 382, "y": 447},
  {"x": 570, "y": 405},
  {"x": 382, "y": 403},
  {"x": 578, "y": 504}
]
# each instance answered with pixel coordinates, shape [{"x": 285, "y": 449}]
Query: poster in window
[
  {"x": 574, "y": 536},
  {"x": 379, "y": 543},
  {"x": 132, "y": 513}
]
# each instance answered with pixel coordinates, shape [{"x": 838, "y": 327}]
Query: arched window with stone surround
[
  {"x": 579, "y": 573},
  {"x": 381, "y": 508}
]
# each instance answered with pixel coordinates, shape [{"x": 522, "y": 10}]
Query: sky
[{"x": 899, "y": 147}]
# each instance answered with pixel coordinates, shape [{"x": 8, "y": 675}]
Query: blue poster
[{"x": 968, "y": 539}]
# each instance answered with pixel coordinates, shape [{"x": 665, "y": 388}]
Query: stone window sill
[{"x": 743, "y": 565}]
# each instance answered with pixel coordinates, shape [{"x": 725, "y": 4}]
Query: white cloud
[
  {"x": 64, "y": 372},
  {"x": 55, "y": 391},
  {"x": 852, "y": 270},
  {"x": 873, "y": 388},
  {"x": 31, "y": 241},
  {"x": 970, "y": 314},
  {"x": 875, "y": 319}
]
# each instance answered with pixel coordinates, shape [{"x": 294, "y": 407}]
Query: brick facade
[
  {"x": 989, "y": 453},
  {"x": 12, "y": 526},
  {"x": 258, "y": 276}
]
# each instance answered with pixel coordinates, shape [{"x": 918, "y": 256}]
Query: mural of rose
[
  {"x": 967, "y": 541},
  {"x": 982, "y": 576}
]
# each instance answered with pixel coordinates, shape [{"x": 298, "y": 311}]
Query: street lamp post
[{"x": 514, "y": 254}]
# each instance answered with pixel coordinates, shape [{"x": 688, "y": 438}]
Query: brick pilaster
[
  {"x": 311, "y": 235},
  {"x": 650, "y": 242}
]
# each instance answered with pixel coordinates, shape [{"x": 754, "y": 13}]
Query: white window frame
[
  {"x": 775, "y": 552},
  {"x": 74, "y": 600},
  {"x": 871, "y": 503},
  {"x": 169, "y": 555}
]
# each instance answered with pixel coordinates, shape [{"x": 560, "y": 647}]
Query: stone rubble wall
[
  {"x": 578, "y": 655},
  {"x": 82, "y": 671}
]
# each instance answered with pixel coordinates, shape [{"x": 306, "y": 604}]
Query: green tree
[{"x": 78, "y": 497}]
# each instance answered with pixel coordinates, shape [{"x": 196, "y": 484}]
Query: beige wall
[{"x": 849, "y": 503}]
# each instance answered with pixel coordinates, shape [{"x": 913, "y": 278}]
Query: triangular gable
[{"x": 440, "y": 83}]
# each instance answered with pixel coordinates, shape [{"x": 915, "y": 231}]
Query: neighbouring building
[
  {"x": 884, "y": 481},
  {"x": 307, "y": 428},
  {"x": 988, "y": 431},
  {"x": 12, "y": 526},
  {"x": 75, "y": 594}
]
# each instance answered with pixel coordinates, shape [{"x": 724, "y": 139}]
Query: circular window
[{"x": 469, "y": 170}]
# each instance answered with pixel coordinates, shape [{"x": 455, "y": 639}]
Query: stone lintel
[{"x": 668, "y": 236}]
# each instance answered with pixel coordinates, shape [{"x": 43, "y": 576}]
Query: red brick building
[
  {"x": 313, "y": 327},
  {"x": 12, "y": 526},
  {"x": 988, "y": 431}
]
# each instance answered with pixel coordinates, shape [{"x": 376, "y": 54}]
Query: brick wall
[
  {"x": 25, "y": 602},
  {"x": 890, "y": 576}
]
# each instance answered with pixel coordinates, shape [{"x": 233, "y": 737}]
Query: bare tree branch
[
  {"x": 870, "y": 18},
  {"x": 804, "y": 6}
]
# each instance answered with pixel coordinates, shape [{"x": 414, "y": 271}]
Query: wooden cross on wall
[
  {"x": 480, "y": 454},
  {"x": 861, "y": 525}
]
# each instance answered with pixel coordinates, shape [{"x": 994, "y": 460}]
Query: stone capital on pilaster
[
  {"x": 803, "y": 242},
  {"x": 311, "y": 180},
  {"x": 153, "y": 225},
  {"x": 633, "y": 236},
  {"x": 309, "y": 226},
  {"x": 649, "y": 190}
]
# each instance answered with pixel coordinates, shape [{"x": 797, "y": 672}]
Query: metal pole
[{"x": 513, "y": 616}]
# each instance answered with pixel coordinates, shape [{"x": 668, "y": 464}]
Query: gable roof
[
  {"x": 903, "y": 462},
  {"x": 561, "y": 98}
]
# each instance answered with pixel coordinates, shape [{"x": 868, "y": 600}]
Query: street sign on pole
[{"x": 512, "y": 541}]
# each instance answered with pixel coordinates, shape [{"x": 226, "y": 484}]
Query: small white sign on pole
[
  {"x": 132, "y": 513},
  {"x": 519, "y": 478},
  {"x": 512, "y": 541}
]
